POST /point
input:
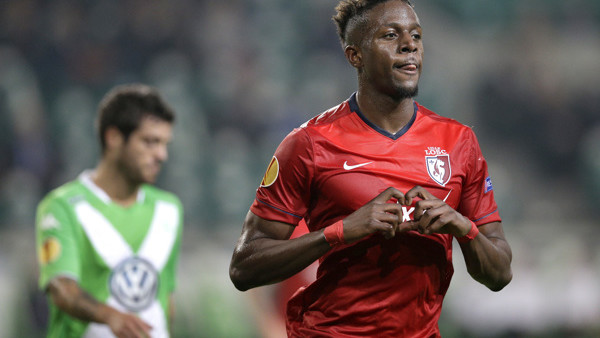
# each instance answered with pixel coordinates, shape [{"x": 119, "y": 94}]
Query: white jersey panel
[
  {"x": 107, "y": 241},
  {"x": 114, "y": 250},
  {"x": 161, "y": 236}
]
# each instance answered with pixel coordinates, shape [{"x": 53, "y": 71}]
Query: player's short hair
[
  {"x": 351, "y": 13},
  {"x": 125, "y": 106}
]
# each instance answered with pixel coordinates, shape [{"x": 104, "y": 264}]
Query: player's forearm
[
  {"x": 266, "y": 261},
  {"x": 70, "y": 298},
  {"x": 488, "y": 261}
]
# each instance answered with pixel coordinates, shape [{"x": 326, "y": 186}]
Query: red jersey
[
  {"x": 286, "y": 288},
  {"x": 339, "y": 161}
]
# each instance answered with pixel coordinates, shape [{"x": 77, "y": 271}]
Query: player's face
[
  {"x": 392, "y": 49},
  {"x": 143, "y": 154}
]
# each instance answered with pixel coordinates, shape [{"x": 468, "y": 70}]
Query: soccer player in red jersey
[{"x": 384, "y": 185}]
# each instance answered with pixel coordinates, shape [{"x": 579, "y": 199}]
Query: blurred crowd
[{"x": 242, "y": 73}]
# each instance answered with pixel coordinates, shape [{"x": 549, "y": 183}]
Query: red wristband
[
  {"x": 470, "y": 235},
  {"x": 334, "y": 234}
]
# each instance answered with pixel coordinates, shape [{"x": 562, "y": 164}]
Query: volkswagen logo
[{"x": 134, "y": 283}]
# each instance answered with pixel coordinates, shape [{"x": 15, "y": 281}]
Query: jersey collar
[
  {"x": 86, "y": 179},
  {"x": 354, "y": 107}
]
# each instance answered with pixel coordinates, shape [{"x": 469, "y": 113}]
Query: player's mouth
[
  {"x": 408, "y": 67},
  {"x": 154, "y": 169}
]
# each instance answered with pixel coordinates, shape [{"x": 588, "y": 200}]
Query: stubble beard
[
  {"x": 131, "y": 173},
  {"x": 406, "y": 92}
]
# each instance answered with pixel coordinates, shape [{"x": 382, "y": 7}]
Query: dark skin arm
[
  {"x": 70, "y": 298},
  {"x": 264, "y": 253},
  {"x": 487, "y": 257}
]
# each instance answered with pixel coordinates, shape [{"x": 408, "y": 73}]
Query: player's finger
[
  {"x": 387, "y": 229},
  {"x": 438, "y": 226},
  {"x": 393, "y": 208},
  {"x": 428, "y": 218},
  {"x": 407, "y": 226},
  {"x": 139, "y": 333},
  {"x": 394, "y": 213},
  {"x": 419, "y": 192},
  {"x": 395, "y": 219},
  {"x": 145, "y": 327},
  {"x": 392, "y": 217},
  {"x": 435, "y": 219},
  {"x": 387, "y": 194},
  {"x": 140, "y": 329},
  {"x": 424, "y": 205}
]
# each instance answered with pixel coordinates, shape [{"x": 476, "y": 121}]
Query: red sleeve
[
  {"x": 284, "y": 193},
  {"x": 477, "y": 200}
]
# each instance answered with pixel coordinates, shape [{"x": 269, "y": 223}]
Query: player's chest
[
  {"x": 353, "y": 176},
  {"x": 106, "y": 226},
  {"x": 115, "y": 236}
]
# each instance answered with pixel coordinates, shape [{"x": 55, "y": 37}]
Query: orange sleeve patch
[
  {"x": 50, "y": 251},
  {"x": 271, "y": 174}
]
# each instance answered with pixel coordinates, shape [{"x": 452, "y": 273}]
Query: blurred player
[
  {"x": 384, "y": 185},
  {"x": 108, "y": 242}
]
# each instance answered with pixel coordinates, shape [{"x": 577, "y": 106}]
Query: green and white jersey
[{"x": 125, "y": 257}]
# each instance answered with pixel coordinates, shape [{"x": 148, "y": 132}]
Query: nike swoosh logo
[
  {"x": 445, "y": 198},
  {"x": 350, "y": 167}
]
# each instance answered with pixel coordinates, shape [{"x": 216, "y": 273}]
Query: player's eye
[{"x": 151, "y": 141}]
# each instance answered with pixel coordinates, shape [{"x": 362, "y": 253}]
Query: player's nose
[
  {"x": 406, "y": 44},
  {"x": 162, "y": 153}
]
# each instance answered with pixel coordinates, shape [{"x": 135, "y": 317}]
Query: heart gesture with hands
[{"x": 431, "y": 215}]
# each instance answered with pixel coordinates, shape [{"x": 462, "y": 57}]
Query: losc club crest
[
  {"x": 134, "y": 283},
  {"x": 438, "y": 168}
]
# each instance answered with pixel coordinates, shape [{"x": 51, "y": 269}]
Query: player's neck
[
  {"x": 385, "y": 112},
  {"x": 116, "y": 185}
]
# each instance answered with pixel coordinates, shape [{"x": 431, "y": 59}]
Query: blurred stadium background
[{"x": 242, "y": 73}]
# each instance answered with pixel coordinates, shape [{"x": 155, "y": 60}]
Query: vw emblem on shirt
[{"x": 134, "y": 283}]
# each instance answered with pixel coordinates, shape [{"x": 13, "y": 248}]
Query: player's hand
[
  {"x": 127, "y": 325},
  {"x": 377, "y": 216},
  {"x": 433, "y": 215}
]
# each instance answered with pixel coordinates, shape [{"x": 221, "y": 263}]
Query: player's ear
[
  {"x": 353, "y": 55},
  {"x": 113, "y": 138}
]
